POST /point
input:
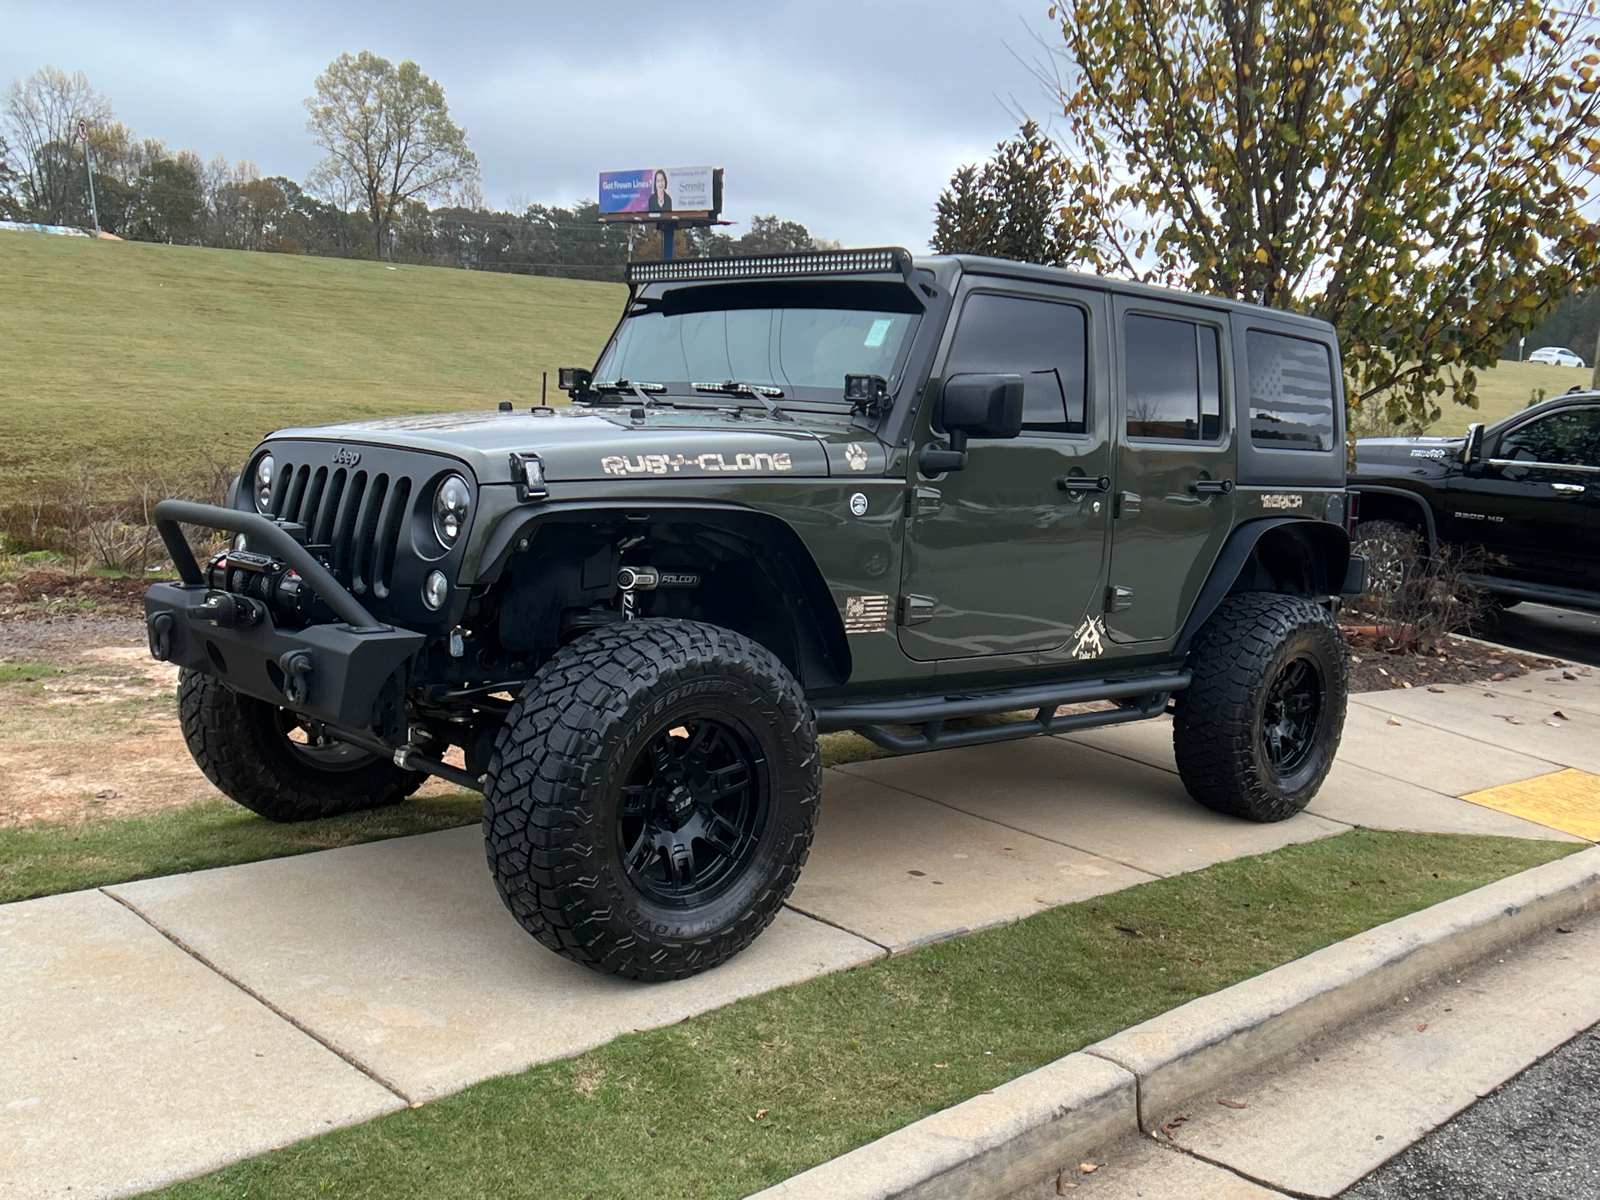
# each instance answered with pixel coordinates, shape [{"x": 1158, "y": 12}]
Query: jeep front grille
[{"x": 352, "y": 520}]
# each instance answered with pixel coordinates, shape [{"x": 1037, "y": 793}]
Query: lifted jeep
[{"x": 811, "y": 492}]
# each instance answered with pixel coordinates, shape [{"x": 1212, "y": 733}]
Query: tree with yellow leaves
[{"x": 1413, "y": 171}]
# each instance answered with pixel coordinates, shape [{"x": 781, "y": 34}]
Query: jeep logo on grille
[{"x": 346, "y": 458}]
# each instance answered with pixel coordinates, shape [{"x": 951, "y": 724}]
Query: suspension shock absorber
[{"x": 633, "y": 580}]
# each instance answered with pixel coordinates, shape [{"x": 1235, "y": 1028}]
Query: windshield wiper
[
  {"x": 627, "y": 387},
  {"x": 735, "y": 387}
]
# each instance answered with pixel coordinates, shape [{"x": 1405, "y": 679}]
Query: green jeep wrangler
[{"x": 796, "y": 494}]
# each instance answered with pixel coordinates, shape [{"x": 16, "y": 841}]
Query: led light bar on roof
[{"x": 878, "y": 261}]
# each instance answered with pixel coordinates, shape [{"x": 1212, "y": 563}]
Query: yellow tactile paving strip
[{"x": 1566, "y": 800}]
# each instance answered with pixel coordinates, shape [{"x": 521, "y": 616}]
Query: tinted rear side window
[
  {"x": 1040, "y": 340},
  {"x": 1291, "y": 392},
  {"x": 1174, "y": 391}
]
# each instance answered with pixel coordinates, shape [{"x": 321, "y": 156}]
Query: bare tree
[
  {"x": 389, "y": 139},
  {"x": 42, "y": 114}
]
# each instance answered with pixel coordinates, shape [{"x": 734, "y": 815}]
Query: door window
[
  {"x": 1291, "y": 392},
  {"x": 1040, "y": 340},
  {"x": 1174, "y": 389},
  {"x": 1570, "y": 439}
]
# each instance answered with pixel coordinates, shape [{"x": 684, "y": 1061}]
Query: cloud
[{"x": 847, "y": 117}]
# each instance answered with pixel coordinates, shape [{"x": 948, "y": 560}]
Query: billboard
[{"x": 659, "y": 192}]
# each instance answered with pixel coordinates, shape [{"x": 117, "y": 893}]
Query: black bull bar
[{"x": 335, "y": 673}]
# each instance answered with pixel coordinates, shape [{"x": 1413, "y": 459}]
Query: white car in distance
[{"x": 1557, "y": 356}]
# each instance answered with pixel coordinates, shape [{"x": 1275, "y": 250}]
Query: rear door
[
  {"x": 1007, "y": 555},
  {"x": 1175, "y": 453},
  {"x": 1533, "y": 508}
]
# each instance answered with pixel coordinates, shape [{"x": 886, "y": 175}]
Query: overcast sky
[{"x": 848, "y": 117}]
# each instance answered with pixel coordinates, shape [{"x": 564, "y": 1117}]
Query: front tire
[
  {"x": 1256, "y": 732},
  {"x": 260, "y": 756},
  {"x": 652, "y": 798}
]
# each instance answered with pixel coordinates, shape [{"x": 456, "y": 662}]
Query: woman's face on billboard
[{"x": 661, "y": 182}]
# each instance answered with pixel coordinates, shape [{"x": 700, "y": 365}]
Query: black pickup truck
[{"x": 1525, "y": 491}]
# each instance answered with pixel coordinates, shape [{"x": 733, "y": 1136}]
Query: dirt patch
[
  {"x": 1375, "y": 667},
  {"x": 89, "y": 725},
  {"x": 56, "y": 595}
]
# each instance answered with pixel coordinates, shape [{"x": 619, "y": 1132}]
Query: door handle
[
  {"x": 1568, "y": 489},
  {"x": 1083, "y": 483},
  {"x": 1220, "y": 487}
]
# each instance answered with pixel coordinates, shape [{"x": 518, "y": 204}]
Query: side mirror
[
  {"x": 1472, "y": 449},
  {"x": 574, "y": 381},
  {"x": 980, "y": 406}
]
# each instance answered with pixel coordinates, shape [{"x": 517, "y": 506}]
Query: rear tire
[
  {"x": 249, "y": 749},
  {"x": 652, "y": 797},
  {"x": 1256, "y": 731}
]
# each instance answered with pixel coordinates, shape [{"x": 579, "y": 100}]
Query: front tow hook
[{"x": 228, "y": 611}]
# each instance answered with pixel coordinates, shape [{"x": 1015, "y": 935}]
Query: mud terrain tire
[
  {"x": 651, "y": 798},
  {"x": 242, "y": 745},
  {"x": 1257, "y": 729}
]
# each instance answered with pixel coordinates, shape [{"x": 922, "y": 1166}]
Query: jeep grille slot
[
  {"x": 322, "y": 533},
  {"x": 344, "y": 527},
  {"x": 394, "y": 511},
  {"x": 366, "y": 534}
]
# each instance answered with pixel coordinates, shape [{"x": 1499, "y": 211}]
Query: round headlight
[
  {"x": 451, "y": 504},
  {"x": 435, "y": 590},
  {"x": 263, "y": 485}
]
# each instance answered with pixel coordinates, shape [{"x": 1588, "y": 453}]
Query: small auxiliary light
[
  {"x": 863, "y": 390},
  {"x": 528, "y": 471},
  {"x": 574, "y": 381}
]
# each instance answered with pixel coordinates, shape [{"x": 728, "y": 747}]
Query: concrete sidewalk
[{"x": 155, "y": 1030}]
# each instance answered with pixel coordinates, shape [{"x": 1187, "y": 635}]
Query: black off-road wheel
[
  {"x": 652, "y": 797},
  {"x": 1257, "y": 729},
  {"x": 269, "y": 760}
]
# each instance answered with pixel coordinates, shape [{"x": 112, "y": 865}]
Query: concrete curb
[{"x": 994, "y": 1144}]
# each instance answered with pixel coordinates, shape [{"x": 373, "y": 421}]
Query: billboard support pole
[
  {"x": 667, "y": 228},
  {"x": 88, "y": 167}
]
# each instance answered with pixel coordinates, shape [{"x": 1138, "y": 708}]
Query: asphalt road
[
  {"x": 1537, "y": 1138},
  {"x": 1539, "y": 629}
]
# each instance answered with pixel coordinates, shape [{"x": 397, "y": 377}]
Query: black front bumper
[{"x": 335, "y": 673}]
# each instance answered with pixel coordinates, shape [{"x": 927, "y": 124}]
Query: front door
[
  {"x": 1532, "y": 506},
  {"x": 1006, "y": 556},
  {"x": 1176, "y": 452}
]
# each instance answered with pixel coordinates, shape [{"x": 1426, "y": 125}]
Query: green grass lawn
[
  {"x": 1503, "y": 390},
  {"x": 47, "y": 858},
  {"x": 133, "y": 360},
  {"x": 729, "y": 1102}
]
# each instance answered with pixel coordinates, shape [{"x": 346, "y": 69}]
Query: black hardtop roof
[{"x": 946, "y": 266}]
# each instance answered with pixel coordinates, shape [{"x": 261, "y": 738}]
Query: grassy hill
[{"x": 135, "y": 361}]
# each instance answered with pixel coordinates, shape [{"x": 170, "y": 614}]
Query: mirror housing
[
  {"x": 980, "y": 406},
  {"x": 1472, "y": 449}
]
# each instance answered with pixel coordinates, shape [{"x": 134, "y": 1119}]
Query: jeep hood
[{"x": 591, "y": 443}]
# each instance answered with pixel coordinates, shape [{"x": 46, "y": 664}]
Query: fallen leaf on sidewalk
[
  {"x": 1497, "y": 677},
  {"x": 1558, "y": 713},
  {"x": 1394, "y": 720},
  {"x": 1509, "y": 719},
  {"x": 1422, "y": 1028},
  {"x": 1170, "y": 1128},
  {"x": 1562, "y": 929},
  {"x": 1061, "y": 1184},
  {"x": 1088, "y": 1168},
  {"x": 1404, "y": 684},
  {"x": 1226, "y": 1103},
  {"x": 1440, "y": 690}
]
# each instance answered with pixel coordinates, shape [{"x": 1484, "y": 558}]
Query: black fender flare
[
  {"x": 1236, "y": 551},
  {"x": 1429, "y": 524},
  {"x": 781, "y": 547}
]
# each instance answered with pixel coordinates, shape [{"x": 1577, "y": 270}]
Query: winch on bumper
[{"x": 338, "y": 672}]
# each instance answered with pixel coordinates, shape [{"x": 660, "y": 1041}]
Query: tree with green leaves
[
  {"x": 1010, "y": 207},
  {"x": 389, "y": 140},
  {"x": 1411, "y": 170}
]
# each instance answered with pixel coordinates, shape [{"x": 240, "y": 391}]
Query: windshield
[{"x": 799, "y": 339}]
